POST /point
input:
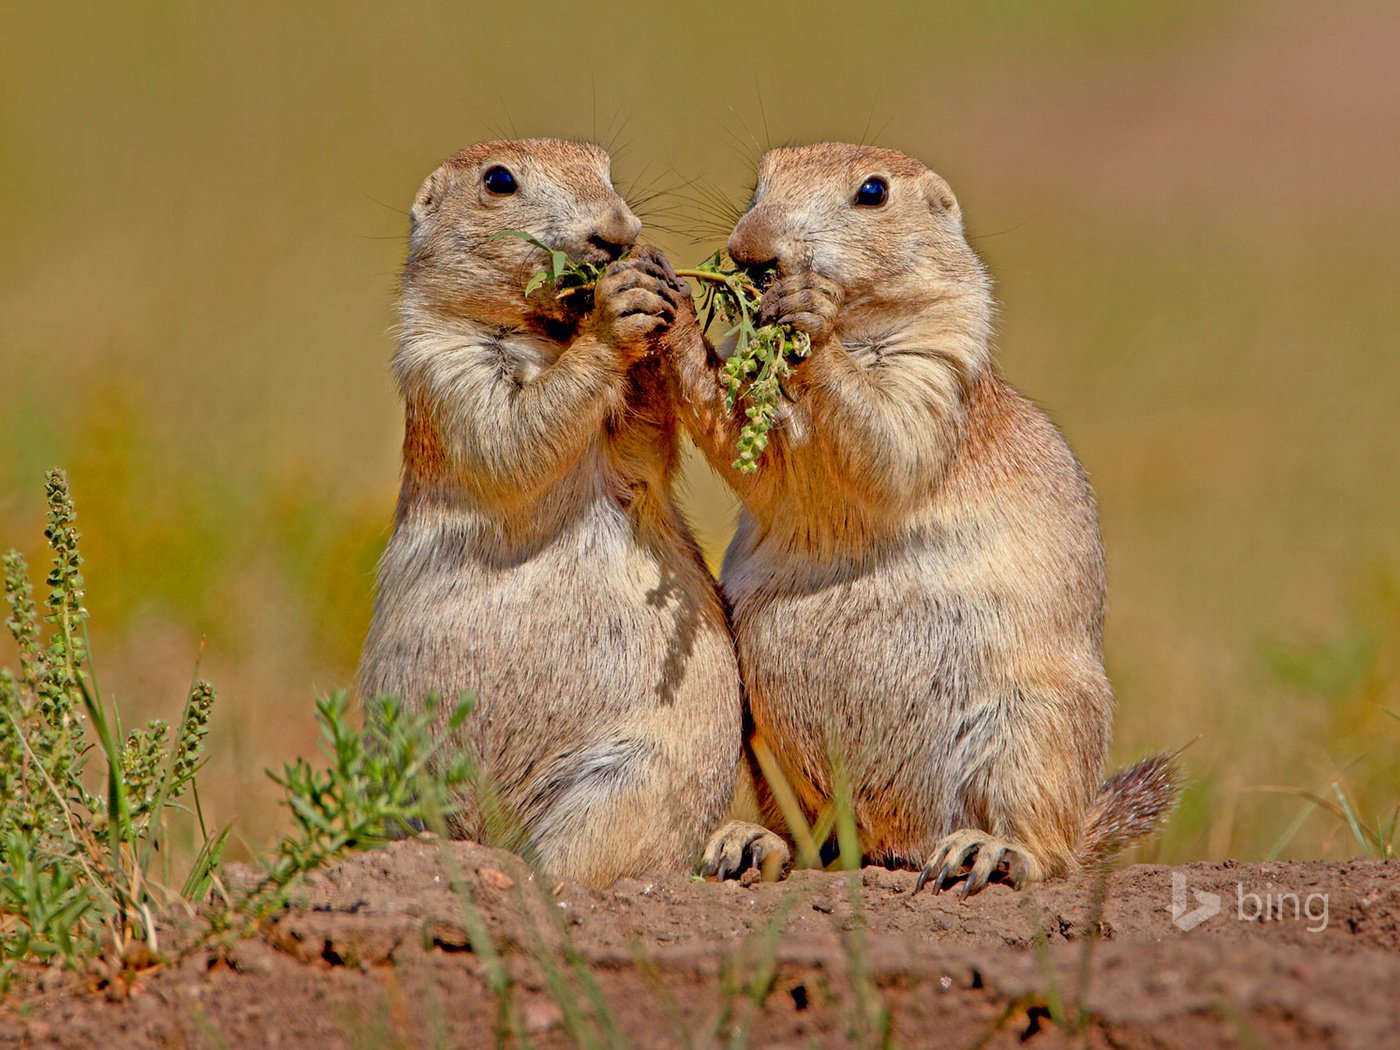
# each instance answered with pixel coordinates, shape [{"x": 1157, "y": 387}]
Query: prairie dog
[
  {"x": 917, "y": 580},
  {"x": 537, "y": 559}
]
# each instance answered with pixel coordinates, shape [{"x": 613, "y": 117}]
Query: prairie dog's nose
[
  {"x": 755, "y": 243},
  {"x": 616, "y": 231}
]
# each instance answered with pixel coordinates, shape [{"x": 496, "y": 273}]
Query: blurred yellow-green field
[{"x": 1191, "y": 210}]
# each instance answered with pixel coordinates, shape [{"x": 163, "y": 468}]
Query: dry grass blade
[{"x": 1372, "y": 843}]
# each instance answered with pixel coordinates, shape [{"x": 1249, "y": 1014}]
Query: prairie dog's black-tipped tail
[{"x": 1130, "y": 804}]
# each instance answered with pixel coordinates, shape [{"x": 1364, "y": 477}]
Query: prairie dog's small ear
[
  {"x": 940, "y": 197},
  {"x": 429, "y": 197}
]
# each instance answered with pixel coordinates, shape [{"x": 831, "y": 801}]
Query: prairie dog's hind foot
[
  {"x": 739, "y": 846},
  {"x": 981, "y": 857}
]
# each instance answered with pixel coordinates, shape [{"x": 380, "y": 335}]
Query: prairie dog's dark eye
[
  {"x": 498, "y": 180},
  {"x": 873, "y": 192}
]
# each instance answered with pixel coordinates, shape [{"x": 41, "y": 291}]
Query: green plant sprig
[
  {"x": 754, "y": 372},
  {"x": 565, "y": 276},
  {"x": 387, "y": 777},
  {"x": 78, "y": 872},
  {"x": 762, "y": 358}
]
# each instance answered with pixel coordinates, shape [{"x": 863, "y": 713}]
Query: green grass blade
[
  {"x": 1362, "y": 837},
  {"x": 201, "y": 874}
]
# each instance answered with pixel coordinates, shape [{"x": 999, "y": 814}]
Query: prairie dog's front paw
[
  {"x": 739, "y": 845},
  {"x": 635, "y": 302},
  {"x": 805, "y": 301}
]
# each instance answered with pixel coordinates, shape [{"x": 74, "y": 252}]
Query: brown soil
[{"x": 378, "y": 953}]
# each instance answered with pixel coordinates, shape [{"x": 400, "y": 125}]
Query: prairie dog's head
[
  {"x": 560, "y": 192},
  {"x": 875, "y": 221}
]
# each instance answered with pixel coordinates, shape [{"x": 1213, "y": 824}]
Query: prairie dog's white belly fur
[
  {"x": 625, "y": 653},
  {"x": 938, "y": 661},
  {"x": 515, "y": 603}
]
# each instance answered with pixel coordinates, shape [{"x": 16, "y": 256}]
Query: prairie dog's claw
[{"x": 739, "y": 845}]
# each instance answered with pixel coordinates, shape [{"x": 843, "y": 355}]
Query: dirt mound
[{"x": 379, "y": 952}]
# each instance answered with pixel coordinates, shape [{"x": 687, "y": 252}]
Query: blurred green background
[{"x": 1190, "y": 209}]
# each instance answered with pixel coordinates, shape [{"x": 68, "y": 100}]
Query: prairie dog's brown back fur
[
  {"x": 537, "y": 559},
  {"x": 917, "y": 579}
]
